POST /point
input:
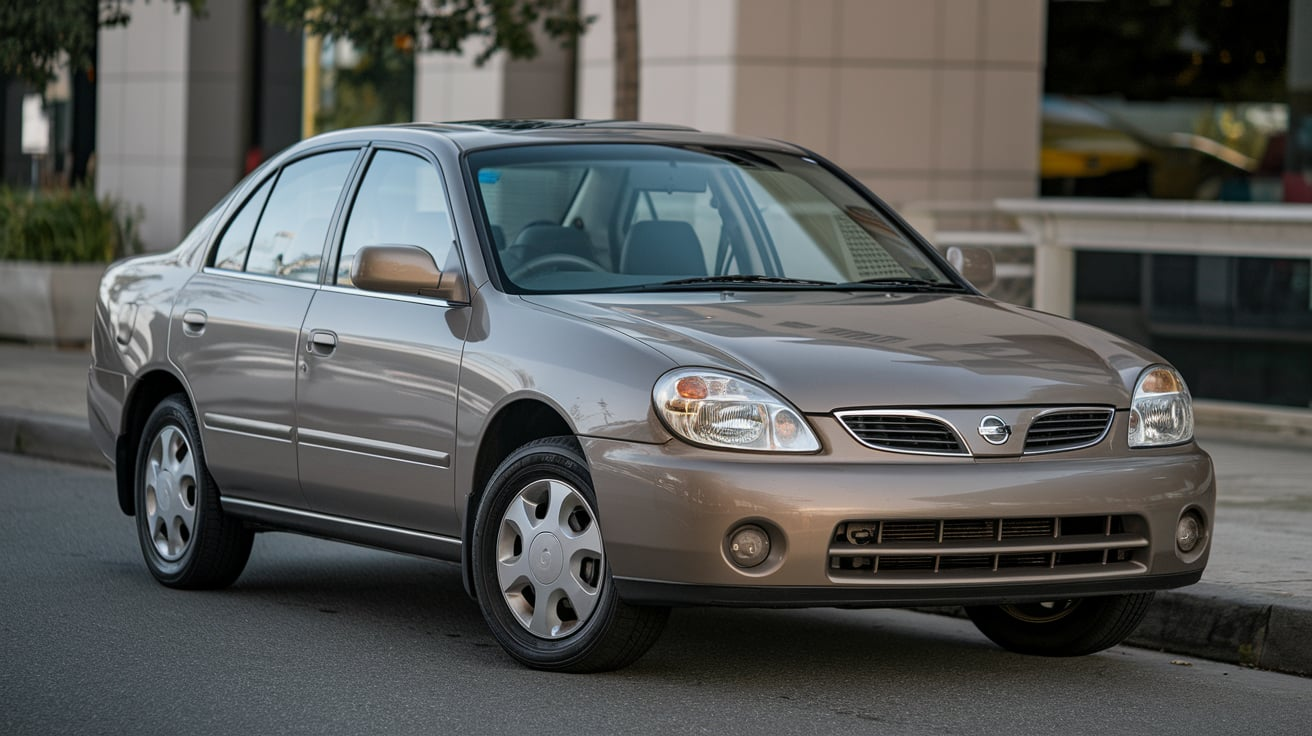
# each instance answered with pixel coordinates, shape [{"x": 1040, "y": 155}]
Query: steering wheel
[{"x": 555, "y": 261}]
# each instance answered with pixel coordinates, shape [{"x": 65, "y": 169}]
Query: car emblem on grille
[{"x": 994, "y": 430}]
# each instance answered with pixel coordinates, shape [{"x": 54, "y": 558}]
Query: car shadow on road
[{"x": 385, "y": 592}]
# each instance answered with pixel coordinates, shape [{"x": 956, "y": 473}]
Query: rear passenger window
[
  {"x": 289, "y": 239},
  {"x": 401, "y": 202},
  {"x": 236, "y": 240}
]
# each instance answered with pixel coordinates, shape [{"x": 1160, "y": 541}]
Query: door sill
[{"x": 343, "y": 529}]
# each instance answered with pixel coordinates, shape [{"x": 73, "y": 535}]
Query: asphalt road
[{"x": 323, "y": 638}]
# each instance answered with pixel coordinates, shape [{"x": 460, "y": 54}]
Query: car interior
[{"x": 615, "y": 223}]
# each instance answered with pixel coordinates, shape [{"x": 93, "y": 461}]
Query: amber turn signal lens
[
  {"x": 691, "y": 387},
  {"x": 1160, "y": 382}
]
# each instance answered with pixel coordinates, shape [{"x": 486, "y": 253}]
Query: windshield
[{"x": 623, "y": 217}]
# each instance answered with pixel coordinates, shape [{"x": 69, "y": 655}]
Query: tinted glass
[
  {"x": 290, "y": 237},
  {"x": 236, "y": 240},
  {"x": 695, "y": 208},
  {"x": 621, "y": 216},
  {"x": 401, "y": 202},
  {"x": 532, "y": 195}
]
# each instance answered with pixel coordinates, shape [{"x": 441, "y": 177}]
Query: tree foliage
[
  {"x": 436, "y": 25},
  {"x": 35, "y": 35}
]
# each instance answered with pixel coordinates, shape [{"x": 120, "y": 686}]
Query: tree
[
  {"x": 626, "y": 59},
  {"x": 445, "y": 25},
  {"x": 36, "y": 36},
  {"x": 435, "y": 25}
]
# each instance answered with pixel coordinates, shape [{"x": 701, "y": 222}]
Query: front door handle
[
  {"x": 193, "y": 321},
  {"x": 322, "y": 342}
]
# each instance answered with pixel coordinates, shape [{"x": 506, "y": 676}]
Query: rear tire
[
  {"x": 186, "y": 539},
  {"x": 540, "y": 570},
  {"x": 1068, "y": 628}
]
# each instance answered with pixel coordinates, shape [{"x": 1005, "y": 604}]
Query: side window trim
[
  {"x": 337, "y": 235},
  {"x": 231, "y": 218},
  {"x": 351, "y": 192},
  {"x": 275, "y": 173},
  {"x": 337, "y": 222}
]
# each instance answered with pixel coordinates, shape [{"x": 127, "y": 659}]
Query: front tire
[
  {"x": 1069, "y": 628},
  {"x": 540, "y": 569},
  {"x": 186, "y": 539}
]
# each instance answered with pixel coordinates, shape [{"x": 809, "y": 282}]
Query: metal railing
[{"x": 1051, "y": 230}]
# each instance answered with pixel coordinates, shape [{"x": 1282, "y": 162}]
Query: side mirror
[
  {"x": 975, "y": 264},
  {"x": 397, "y": 269}
]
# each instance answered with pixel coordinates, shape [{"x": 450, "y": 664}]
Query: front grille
[
  {"x": 1068, "y": 429},
  {"x": 977, "y": 550},
  {"x": 903, "y": 433}
]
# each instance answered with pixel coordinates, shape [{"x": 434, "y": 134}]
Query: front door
[{"x": 376, "y": 397}]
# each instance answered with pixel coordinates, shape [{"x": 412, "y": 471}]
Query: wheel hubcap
[
  {"x": 170, "y": 493},
  {"x": 549, "y": 559}
]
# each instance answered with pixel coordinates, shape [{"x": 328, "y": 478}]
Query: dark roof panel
[{"x": 475, "y": 134}]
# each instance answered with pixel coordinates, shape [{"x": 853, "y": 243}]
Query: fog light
[
  {"x": 749, "y": 546},
  {"x": 1189, "y": 532}
]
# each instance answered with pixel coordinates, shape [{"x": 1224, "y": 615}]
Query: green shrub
[{"x": 66, "y": 226}]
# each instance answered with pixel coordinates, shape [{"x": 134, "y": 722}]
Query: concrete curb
[
  {"x": 50, "y": 436},
  {"x": 1221, "y": 623}
]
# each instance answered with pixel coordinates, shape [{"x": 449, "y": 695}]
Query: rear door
[
  {"x": 376, "y": 402},
  {"x": 236, "y": 325}
]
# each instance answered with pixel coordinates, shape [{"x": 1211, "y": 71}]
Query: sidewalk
[{"x": 1253, "y": 607}]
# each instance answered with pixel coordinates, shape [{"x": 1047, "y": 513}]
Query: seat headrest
[
  {"x": 536, "y": 241},
  {"x": 669, "y": 247}
]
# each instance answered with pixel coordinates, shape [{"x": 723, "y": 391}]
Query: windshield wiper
[
  {"x": 911, "y": 284},
  {"x": 732, "y": 279}
]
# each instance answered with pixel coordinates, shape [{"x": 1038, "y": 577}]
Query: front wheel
[
  {"x": 1068, "y": 628},
  {"x": 540, "y": 569},
  {"x": 186, "y": 539}
]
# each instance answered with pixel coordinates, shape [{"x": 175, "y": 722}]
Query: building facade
[{"x": 926, "y": 102}]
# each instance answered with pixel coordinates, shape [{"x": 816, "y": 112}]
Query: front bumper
[{"x": 667, "y": 510}]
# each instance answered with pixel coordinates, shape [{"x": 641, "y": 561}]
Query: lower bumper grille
[{"x": 979, "y": 550}]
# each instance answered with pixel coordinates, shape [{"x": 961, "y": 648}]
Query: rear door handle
[
  {"x": 193, "y": 321},
  {"x": 322, "y": 342}
]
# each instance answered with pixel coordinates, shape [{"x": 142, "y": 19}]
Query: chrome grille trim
[
  {"x": 984, "y": 550},
  {"x": 904, "y": 431},
  {"x": 1068, "y": 428}
]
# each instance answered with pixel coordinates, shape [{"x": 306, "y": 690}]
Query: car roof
[{"x": 475, "y": 134}]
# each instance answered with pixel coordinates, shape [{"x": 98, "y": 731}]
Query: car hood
[{"x": 831, "y": 350}]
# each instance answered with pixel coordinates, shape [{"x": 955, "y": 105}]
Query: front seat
[
  {"x": 536, "y": 241},
  {"x": 667, "y": 247}
]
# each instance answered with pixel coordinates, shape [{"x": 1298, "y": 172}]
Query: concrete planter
[{"x": 48, "y": 302}]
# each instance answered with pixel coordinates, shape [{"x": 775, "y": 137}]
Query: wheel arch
[
  {"x": 146, "y": 393},
  {"x": 511, "y": 427}
]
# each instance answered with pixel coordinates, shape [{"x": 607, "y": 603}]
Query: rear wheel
[
  {"x": 1067, "y": 628},
  {"x": 540, "y": 569},
  {"x": 186, "y": 539}
]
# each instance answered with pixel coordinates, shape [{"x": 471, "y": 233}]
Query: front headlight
[
  {"x": 720, "y": 410},
  {"x": 1161, "y": 412}
]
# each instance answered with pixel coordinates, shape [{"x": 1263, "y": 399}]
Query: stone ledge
[
  {"x": 48, "y": 302},
  {"x": 1253, "y": 423}
]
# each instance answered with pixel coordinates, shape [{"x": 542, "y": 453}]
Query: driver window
[{"x": 401, "y": 202}]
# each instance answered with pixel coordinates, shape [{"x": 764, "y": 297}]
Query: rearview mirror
[
  {"x": 397, "y": 269},
  {"x": 975, "y": 264},
  {"x": 668, "y": 178}
]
